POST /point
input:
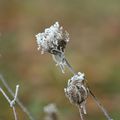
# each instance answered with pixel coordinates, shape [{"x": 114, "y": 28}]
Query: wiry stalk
[
  {"x": 69, "y": 67},
  {"x": 14, "y": 112},
  {"x": 92, "y": 94},
  {"x": 17, "y": 100},
  {"x": 100, "y": 105},
  {"x": 11, "y": 102}
]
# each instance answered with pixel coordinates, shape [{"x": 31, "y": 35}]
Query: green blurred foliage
[{"x": 94, "y": 48}]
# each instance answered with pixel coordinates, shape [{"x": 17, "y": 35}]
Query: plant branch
[
  {"x": 11, "y": 102},
  {"x": 70, "y": 67},
  {"x": 17, "y": 100},
  {"x": 92, "y": 94}
]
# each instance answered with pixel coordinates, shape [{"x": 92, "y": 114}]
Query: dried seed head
[
  {"x": 53, "y": 39},
  {"x": 77, "y": 91},
  {"x": 51, "y": 112}
]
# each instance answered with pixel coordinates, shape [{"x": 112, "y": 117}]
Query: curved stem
[
  {"x": 100, "y": 105},
  {"x": 70, "y": 67}
]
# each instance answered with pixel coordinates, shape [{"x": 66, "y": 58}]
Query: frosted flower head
[
  {"x": 51, "y": 112},
  {"x": 53, "y": 39},
  {"x": 50, "y": 108},
  {"x": 76, "y": 91}
]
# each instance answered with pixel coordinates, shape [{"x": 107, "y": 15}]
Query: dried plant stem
[
  {"x": 11, "y": 102},
  {"x": 100, "y": 105},
  {"x": 4, "y": 94},
  {"x": 25, "y": 110},
  {"x": 17, "y": 100},
  {"x": 70, "y": 67},
  {"x": 93, "y": 96},
  {"x": 14, "y": 112},
  {"x": 81, "y": 115}
]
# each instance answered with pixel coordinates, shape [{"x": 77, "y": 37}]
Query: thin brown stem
[
  {"x": 70, "y": 67},
  {"x": 100, "y": 105}
]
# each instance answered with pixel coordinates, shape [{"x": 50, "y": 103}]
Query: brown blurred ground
[{"x": 94, "y": 48}]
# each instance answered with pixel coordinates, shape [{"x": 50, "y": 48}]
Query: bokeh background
[{"x": 94, "y": 48}]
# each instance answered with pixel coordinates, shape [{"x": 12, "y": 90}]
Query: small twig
[
  {"x": 15, "y": 96},
  {"x": 17, "y": 100},
  {"x": 11, "y": 102},
  {"x": 4, "y": 94},
  {"x": 14, "y": 112},
  {"x": 16, "y": 92}
]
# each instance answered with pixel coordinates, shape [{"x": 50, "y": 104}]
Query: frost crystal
[
  {"x": 77, "y": 91},
  {"x": 54, "y": 40}
]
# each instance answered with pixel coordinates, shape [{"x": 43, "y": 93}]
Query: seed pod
[
  {"x": 53, "y": 39},
  {"x": 77, "y": 91},
  {"x": 51, "y": 112}
]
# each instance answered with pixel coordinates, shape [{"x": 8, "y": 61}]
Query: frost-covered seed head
[
  {"x": 53, "y": 39},
  {"x": 76, "y": 91},
  {"x": 50, "y": 108},
  {"x": 51, "y": 112}
]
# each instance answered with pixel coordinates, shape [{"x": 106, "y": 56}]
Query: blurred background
[{"x": 94, "y": 48}]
